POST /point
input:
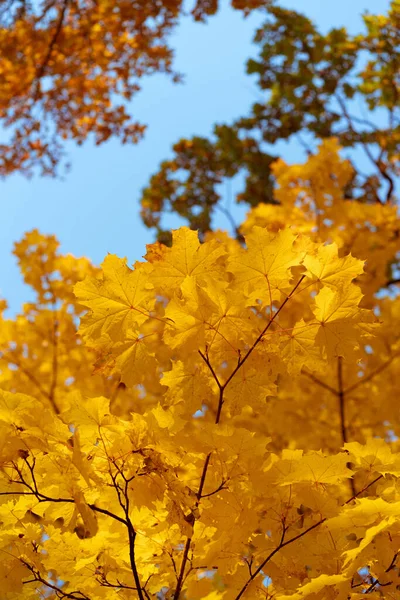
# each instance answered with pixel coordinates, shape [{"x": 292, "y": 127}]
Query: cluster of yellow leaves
[
  {"x": 312, "y": 199},
  {"x": 237, "y": 437}
]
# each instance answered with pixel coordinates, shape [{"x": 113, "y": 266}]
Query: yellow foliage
[{"x": 223, "y": 424}]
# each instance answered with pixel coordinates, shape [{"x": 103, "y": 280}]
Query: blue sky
[{"x": 94, "y": 209}]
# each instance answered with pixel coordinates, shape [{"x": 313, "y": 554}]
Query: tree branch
[
  {"x": 42, "y": 68},
  {"x": 33, "y": 491},
  {"x": 75, "y": 595},
  {"x": 319, "y": 382},
  {"x": 123, "y": 498},
  {"x": 283, "y": 544},
  {"x": 392, "y": 281},
  {"x": 376, "y": 162},
  {"x": 54, "y": 374},
  {"x": 343, "y": 430},
  {"x": 373, "y": 374},
  {"x": 222, "y": 388}
]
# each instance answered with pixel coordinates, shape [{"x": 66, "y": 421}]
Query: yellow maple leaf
[
  {"x": 186, "y": 258},
  {"x": 298, "y": 347},
  {"x": 119, "y": 301},
  {"x": 264, "y": 267},
  {"x": 374, "y": 456},
  {"x": 315, "y": 467},
  {"x": 327, "y": 268},
  {"x": 342, "y": 323},
  {"x": 189, "y": 384},
  {"x": 314, "y": 586},
  {"x": 351, "y": 556},
  {"x": 190, "y": 315}
]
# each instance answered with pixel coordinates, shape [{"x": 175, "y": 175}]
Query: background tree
[
  {"x": 69, "y": 69},
  {"x": 312, "y": 86}
]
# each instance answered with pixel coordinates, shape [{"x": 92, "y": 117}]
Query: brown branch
[
  {"x": 372, "y": 374},
  {"x": 222, "y": 388},
  {"x": 264, "y": 331},
  {"x": 363, "y": 489},
  {"x": 42, "y": 68},
  {"x": 392, "y": 281},
  {"x": 319, "y": 382},
  {"x": 75, "y": 595},
  {"x": 204, "y": 357},
  {"x": 377, "y": 582},
  {"x": 40, "y": 497},
  {"x": 376, "y": 162},
  {"x": 283, "y": 544},
  {"x": 342, "y": 413},
  {"x": 123, "y": 499},
  {"x": 188, "y": 543},
  {"x": 103, "y": 581},
  {"x": 218, "y": 489},
  {"x": 132, "y": 558},
  {"x": 13, "y": 360},
  {"x": 54, "y": 374}
]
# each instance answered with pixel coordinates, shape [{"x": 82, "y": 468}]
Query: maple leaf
[
  {"x": 190, "y": 316},
  {"x": 374, "y": 456},
  {"x": 189, "y": 384},
  {"x": 186, "y": 258},
  {"x": 327, "y": 268},
  {"x": 119, "y": 302},
  {"x": 314, "y": 586},
  {"x": 342, "y": 324},
  {"x": 263, "y": 269},
  {"x": 315, "y": 467},
  {"x": 298, "y": 347}
]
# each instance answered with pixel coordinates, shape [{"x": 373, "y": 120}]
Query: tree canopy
[
  {"x": 219, "y": 420},
  {"x": 312, "y": 86},
  {"x": 70, "y": 67}
]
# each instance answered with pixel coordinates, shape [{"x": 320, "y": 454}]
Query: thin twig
[
  {"x": 53, "y": 385},
  {"x": 342, "y": 413},
  {"x": 42, "y": 68},
  {"x": 377, "y": 582},
  {"x": 371, "y": 375},
  {"x": 283, "y": 544},
  {"x": 376, "y": 162},
  {"x": 222, "y": 388},
  {"x": 75, "y": 595},
  {"x": 40, "y": 497},
  {"x": 319, "y": 382}
]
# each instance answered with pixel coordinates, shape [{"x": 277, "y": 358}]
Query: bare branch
[
  {"x": 377, "y": 162},
  {"x": 218, "y": 489},
  {"x": 319, "y": 382},
  {"x": 75, "y": 595},
  {"x": 342, "y": 406},
  {"x": 41, "y": 70},
  {"x": 373, "y": 374}
]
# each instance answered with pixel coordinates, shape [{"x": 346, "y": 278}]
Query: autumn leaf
[{"x": 119, "y": 302}]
